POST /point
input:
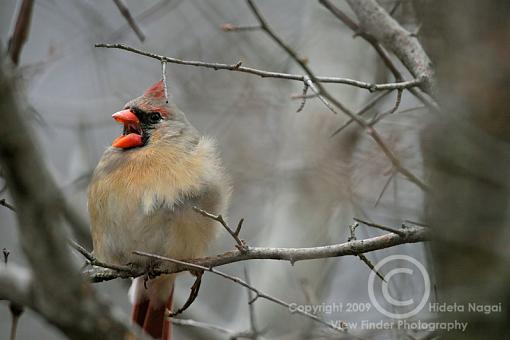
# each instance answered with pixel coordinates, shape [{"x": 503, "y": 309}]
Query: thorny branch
[
  {"x": 168, "y": 265},
  {"x": 327, "y": 98},
  {"x": 265, "y": 74},
  {"x": 258, "y": 293},
  {"x": 410, "y": 234},
  {"x": 362, "y": 257}
]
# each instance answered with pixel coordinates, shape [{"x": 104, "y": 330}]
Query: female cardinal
[{"x": 142, "y": 195}]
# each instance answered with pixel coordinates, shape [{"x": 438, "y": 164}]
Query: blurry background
[{"x": 294, "y": 184}]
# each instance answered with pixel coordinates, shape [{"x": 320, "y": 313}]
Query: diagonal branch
[
  {"x": 129, "y": 18},
  {"x": 380, "y": 51},
  {"x": 380, "y": 226},
  {"x": 379, "y": 24},
  {"x": 258, "y": 293},
  {"x": 240, "y": 244},
  {"x": 326, "y": 97},
  {"x": 362, "y": 111},
  {"x": 21, "y": 29},
  {"x": 7, "y": 205}
]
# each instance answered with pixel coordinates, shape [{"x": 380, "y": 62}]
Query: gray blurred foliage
[{"x": 294, "y": 185}]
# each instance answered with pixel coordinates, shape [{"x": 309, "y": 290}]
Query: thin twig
[
  {"x": 258, "y": 293},
  {"x": 129, "y": 18},
  {"x": 6, "y": 254},
  {"x": 395, "y": 7},
  {"x": 317, "y": 80},
  {"x": 15, "y": 308},
  {"x": 327, "y": 98},
  {"x": 379, "y": 226},
  {"x": 362, "y": 111},
  {"x": 317, "y": 92},
  {"x": 388, "y": 181},
  {"x": 241, "y": 244},
  {"x": 16, "y": 311},
  {"x": 300, "y": 96},
  {"x": 93, "y": 261},
  {"x": 235, "y": 28},
  {"x": 362, "y": 257},
  {"x": 21, "y": 29},
  {"x": 265, "y": 74},
  {"x": 251, "y": 308},
  {"x": 163, "y": 76},
  {"x": 203, "y": 325},
  {"x": 303, "y": 97},
  {"x": 412, "y": 109},
  {"x": 377, "y": 118},
  {"x": 7, "y": 205}
]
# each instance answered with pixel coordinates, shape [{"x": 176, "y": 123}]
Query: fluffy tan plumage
[{"x": 141, "y": 198}]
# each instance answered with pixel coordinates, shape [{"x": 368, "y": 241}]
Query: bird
[{"x": 143, "y": 195}]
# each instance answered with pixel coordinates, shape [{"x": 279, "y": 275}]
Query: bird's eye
[{"x": 154, "y": 117}]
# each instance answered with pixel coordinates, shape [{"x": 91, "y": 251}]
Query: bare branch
[
  {"x": 378, "y": 117},
  {"x": 21, "y": 29},
  {"x": 424, "y": 98},
  {"x": 39, "y": 212},
  {"x": 16, "y": 311},
  {"x": 378, "y": 23},
  {"x": 326, "y": 97},
  {"x": 400, "y": 232},
  {"x": 385, "y": 186},
  {"x": 129, "y": 18},
  {"x": 362, "y": 257},
  {"x": 303, "y": 98},
  {"x": 362, "y": 111},
  {"x": 258, "y": 293},
  {"x": 264, "y": 74},
  {"x": 319, "y": 89},
  {"x": 7, "y": 205},
  {"x": 234, "y": 28},
  {"x": 251, "y": 308},
  {"x": 241, "y": 244},
  {"x": 204, "y": 325},
  {"x": 410, "y": 234}
]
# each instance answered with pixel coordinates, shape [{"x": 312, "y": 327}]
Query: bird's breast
[{"x": 143, "y": 201}]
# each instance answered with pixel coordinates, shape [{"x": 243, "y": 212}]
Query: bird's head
[{"x": 149, "y": 119}]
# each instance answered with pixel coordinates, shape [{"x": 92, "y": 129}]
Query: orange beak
[{"x": 132, "y": 134}]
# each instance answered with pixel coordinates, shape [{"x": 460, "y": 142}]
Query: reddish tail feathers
[{"x": 151, "y": 315}]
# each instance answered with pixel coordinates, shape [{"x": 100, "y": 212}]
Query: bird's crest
[{"x": 156, "y": 91}]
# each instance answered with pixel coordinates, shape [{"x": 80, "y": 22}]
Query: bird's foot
[
  {"x": 150, "y": 271},
  {"x": 194, "y": 292}
]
